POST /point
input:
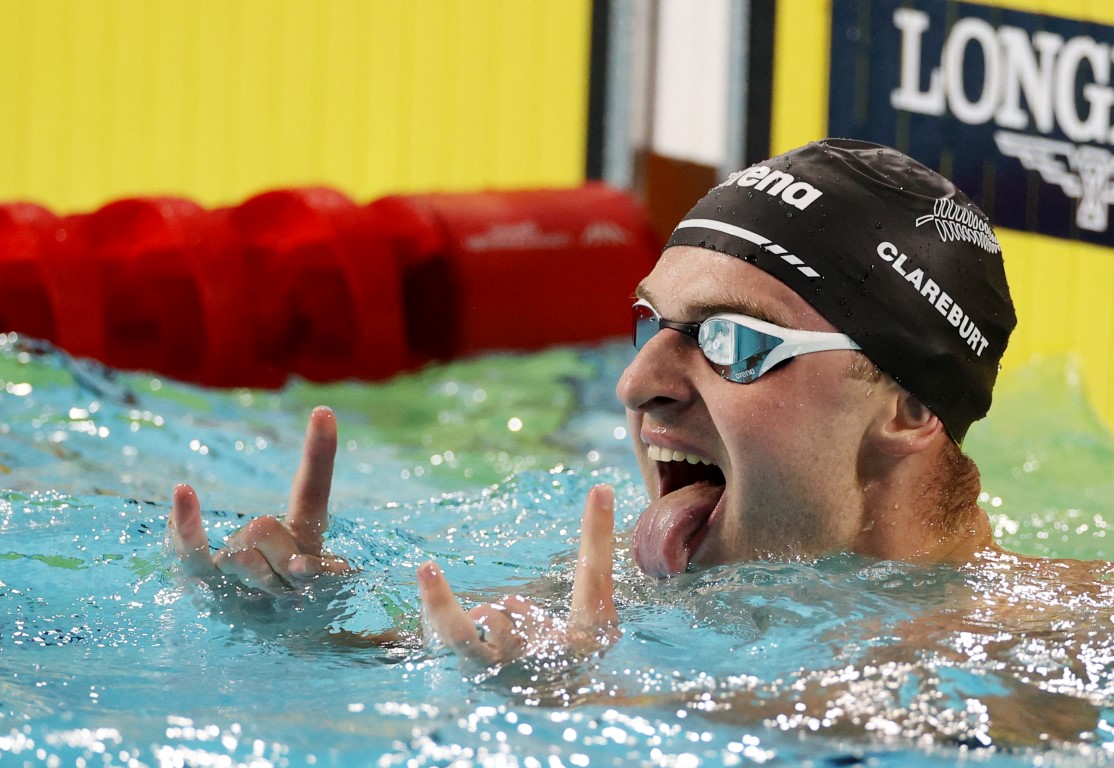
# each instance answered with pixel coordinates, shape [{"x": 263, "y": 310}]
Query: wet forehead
[{"x": 688, "y": 284}]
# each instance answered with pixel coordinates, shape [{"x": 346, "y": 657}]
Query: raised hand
[
  {"x": 269, "y": 554},
  {"x": 514, "y": 627}
]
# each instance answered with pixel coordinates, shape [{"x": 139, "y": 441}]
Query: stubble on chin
[{"x": 774, "y": 534}]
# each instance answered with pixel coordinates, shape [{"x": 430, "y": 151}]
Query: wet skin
[
  {"x": 802, "y": 457},
  {"x": 788, "y": 445},
  {"x": 277, "y": 556},
  {"x": 795, "y": 463}
]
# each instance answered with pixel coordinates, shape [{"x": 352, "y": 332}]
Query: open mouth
[
  {"x": 677, "y": 469},
  {"x": 674, "y": 525}
]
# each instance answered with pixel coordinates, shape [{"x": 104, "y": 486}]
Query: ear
[{"x": 909, "y": 428}]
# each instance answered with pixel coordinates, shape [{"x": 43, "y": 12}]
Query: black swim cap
[{"x": 889, "y": 251}]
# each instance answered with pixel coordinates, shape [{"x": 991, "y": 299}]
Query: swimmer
[{"x": 814, "y": 342}]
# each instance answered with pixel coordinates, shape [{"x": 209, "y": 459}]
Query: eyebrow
[{"x": 739, "y": 305}]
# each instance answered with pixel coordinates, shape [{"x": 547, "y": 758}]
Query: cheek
[
  {"x": 634, "y": 429},
  {"x": 788, "y": 415},
  {"x": 743, "y": 411}
]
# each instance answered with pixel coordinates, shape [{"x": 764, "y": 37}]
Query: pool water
[{"x": 108, "y": 657}]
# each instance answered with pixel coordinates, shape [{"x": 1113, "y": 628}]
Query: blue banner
[{"x": 1014, "y": 107}]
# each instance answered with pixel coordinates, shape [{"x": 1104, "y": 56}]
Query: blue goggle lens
[
  {"x": 736, "y": 351},
  {"x": 739, "y": 347}
]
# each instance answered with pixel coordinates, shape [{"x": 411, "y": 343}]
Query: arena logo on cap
[
  {"x": 799, "y": 194},
  {"x": 959, "y": 223}
]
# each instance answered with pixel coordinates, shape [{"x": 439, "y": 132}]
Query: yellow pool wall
[{"x": 216, "y": 100}]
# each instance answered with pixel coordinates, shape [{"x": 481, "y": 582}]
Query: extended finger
[
  {"x": 188, "y": 534},
  {"x": 593, "y": 605},
  {"x": 446, "y": 618},
  {"x": 309, "y": 496}
]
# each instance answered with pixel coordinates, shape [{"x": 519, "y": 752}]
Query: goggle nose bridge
[{"x": 691, "y": 330}]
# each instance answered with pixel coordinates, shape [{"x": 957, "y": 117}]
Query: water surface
[{"x": 109, "y": 657}]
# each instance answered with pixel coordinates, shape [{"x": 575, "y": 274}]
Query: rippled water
[{"x": 109, "y": 657}]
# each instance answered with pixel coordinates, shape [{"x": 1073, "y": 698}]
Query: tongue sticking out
[{"x": 670, "y": 529}]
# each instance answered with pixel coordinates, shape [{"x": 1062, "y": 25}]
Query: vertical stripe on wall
[
  {"x": 597, "y": 90},
  {"x": 801, "y": 54},
  {"x": 760, "y": 80},
  {"x": 217, "y": 100}
]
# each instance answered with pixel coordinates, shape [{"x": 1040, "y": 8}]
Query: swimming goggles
[{"x": 740, "y": 347}]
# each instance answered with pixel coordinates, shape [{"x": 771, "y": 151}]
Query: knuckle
[
  {"x": 263, "y": 526},
  {"x": 255, "y": 530},
  {"x": 516, "y": 604}
]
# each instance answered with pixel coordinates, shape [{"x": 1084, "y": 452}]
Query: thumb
[{"x": 445, "y": 617}]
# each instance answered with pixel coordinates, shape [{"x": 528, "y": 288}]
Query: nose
[{"x": 661, "y": 374}]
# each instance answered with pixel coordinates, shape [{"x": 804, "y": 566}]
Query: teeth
[{"x": 657, "y": 453}]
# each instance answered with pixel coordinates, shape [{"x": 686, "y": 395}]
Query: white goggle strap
[{"x": 794, "y": 343}]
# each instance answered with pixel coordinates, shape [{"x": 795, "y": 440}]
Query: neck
[{"x": 914, "y": 511}]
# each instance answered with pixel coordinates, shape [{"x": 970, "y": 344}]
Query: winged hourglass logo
[{"x": 1082, "y": 171}]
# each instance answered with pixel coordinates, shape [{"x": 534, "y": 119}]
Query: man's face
[{"x": 741, "y": 471}]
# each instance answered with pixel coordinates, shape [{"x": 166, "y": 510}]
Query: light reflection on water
[{"x": 108, "y": 657}]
